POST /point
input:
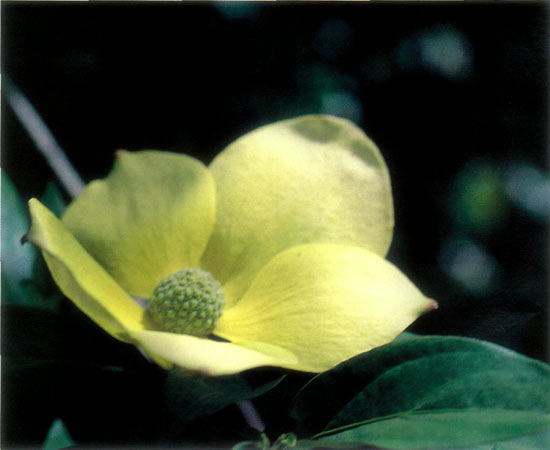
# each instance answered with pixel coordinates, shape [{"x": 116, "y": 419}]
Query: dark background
[{"x": 454, "y": 95}]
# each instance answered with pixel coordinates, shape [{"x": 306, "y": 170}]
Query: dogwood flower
[{"x": 290, "y": 224}]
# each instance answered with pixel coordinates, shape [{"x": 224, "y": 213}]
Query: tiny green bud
[{"x": 190, "y": 301}]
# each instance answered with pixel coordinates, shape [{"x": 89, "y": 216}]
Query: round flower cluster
[{"x": 188, "y": 302}]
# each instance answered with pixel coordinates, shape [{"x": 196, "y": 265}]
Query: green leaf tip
[{"x": 58, "y": 437}]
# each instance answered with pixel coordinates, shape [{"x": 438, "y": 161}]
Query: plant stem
[
  {"x": 251, "y": 415},
  {"x": 42, "y": 137}
]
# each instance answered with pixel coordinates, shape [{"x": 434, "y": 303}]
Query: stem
[
  {"x": 42, "y": 137},
  {"x": 251, "y": 415}
]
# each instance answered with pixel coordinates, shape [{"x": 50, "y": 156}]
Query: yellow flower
[{"x": 293, "y": 220}]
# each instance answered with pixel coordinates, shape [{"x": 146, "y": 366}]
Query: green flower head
[{"x": 282, "y": 238}]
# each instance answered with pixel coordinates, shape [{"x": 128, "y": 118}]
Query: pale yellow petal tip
[
  {"x": 120, "y": 153},
  {"x": 431, "y": 305},
  {"x": 33, "y": 202},
  {"x": 35, "y": 208}
]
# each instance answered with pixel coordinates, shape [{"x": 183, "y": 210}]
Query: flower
[{"x": 293, "y": 220}]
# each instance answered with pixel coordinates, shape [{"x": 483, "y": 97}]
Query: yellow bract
[
  {"x": 319, "y": 300},
  {"x": 312, "y": 179},
  {"x": 152, "y": 216},
  {"x": 81, "y": 278},
  {"x": 294, "y": 219}
]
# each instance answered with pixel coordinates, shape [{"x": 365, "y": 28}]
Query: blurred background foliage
[{"x": 454, "y": 95}]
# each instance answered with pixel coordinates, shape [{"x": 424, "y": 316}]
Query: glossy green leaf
[
  {"x": 17, "y": 259},
  {"x": 405, "y": 336},
  {"x": 534, "y": 441},
  {"x": 327, "y": 445},
  {"x": 443, "y": 428},
  {"x": 422, "y": 374},
  {"x": 58, "y": 436}
]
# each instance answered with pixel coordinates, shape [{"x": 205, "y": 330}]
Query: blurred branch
[
  {"x": 251, "y": 415},
  {"x": 42, "y": 137}
]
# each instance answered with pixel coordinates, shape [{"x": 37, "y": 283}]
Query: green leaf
[
  {"x": 17, "y": 259},
  {"x": 188, "y": 396},
  {"x": 24, "y": 276},
  {"x": 405, "y": 336},
  {"x": 53, "y": 199},
  {"x": 326, "y": 445},
  {"x": 284, "y": 441},
  {"x": 426, "y": 373},
  {"x": 58, "y": 436},
  {"x": 249, "y": 445},
  {"x": 442, "y": 428},
  {"x": 535, "y": 441},
  {"x": 261, "y": 444}
]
